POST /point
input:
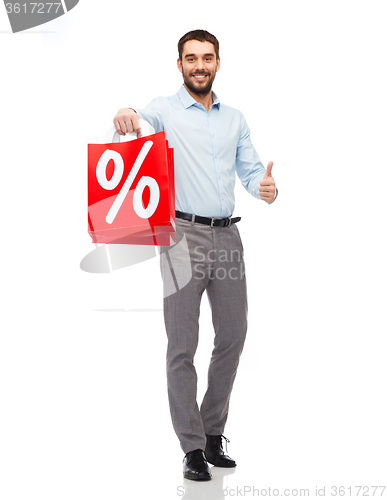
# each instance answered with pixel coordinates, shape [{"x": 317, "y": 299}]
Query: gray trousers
[{"x": 211, "y": 259}]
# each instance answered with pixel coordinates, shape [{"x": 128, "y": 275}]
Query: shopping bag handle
[{"x": 113, "y": 136}]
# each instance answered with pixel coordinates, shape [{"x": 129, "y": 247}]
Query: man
[{"x": 211, "y": 142}]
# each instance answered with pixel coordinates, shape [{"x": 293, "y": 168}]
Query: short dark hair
[{"x": 201, "y": 36}]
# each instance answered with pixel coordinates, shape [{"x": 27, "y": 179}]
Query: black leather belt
[{"x": 210, "y": 221}]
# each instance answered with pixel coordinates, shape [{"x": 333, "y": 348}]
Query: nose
[{"x": 200, "y": 64}]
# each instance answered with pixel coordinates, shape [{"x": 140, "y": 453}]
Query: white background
[{"x": 84, "y": 410}]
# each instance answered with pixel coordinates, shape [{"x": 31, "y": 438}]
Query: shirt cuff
[{"x": 275, "y": 197}]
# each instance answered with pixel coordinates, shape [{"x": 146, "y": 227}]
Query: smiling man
[
  {"x": 211, "y": 144},
  {"x": 198, "y": 69}
]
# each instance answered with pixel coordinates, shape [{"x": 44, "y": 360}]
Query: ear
[
  {"x": 179, "y": 65},
  {"x": 218, "y": 64}
]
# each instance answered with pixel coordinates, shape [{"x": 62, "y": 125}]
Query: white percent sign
[{"x": 142, "y": 212}]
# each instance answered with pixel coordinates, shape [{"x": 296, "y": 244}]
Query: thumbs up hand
[{"x": 267, "y": 187}]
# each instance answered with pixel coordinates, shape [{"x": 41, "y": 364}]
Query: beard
[{"x": 197, "y": 87}]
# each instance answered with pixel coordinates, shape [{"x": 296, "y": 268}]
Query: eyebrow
[{"x": 195, "y": 55}]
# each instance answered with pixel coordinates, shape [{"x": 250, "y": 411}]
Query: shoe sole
[
  {"x": 196, "y": 478},
  {"x": 224, "y": 466}
]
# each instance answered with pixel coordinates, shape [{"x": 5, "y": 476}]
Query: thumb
[{"x": 268, "y": 170}]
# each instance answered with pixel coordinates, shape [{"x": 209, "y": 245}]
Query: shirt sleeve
[
  {"x": 248, "y": 164},
  {"x": 153, "y": 113}
]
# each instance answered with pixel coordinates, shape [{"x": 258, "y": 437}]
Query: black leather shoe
[
  {"x": 195, "y": 466},
  {"x": 215, "y": 454}
]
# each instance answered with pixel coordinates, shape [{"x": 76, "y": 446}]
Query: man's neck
[{"x": 206, "y": 99}]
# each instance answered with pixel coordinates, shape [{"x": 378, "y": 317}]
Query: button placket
[{"x": 215, "y": 154}]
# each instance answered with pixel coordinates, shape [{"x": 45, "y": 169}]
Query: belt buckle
[{"x": 225, "y": 225}]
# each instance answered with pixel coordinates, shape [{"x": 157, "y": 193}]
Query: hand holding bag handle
[{"x": 113, "y": 136}]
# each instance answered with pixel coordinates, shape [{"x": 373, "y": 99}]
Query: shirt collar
[{"x": 188, "y": 100}]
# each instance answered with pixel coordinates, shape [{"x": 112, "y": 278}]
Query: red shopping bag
[{"x": 131, "y": 191}]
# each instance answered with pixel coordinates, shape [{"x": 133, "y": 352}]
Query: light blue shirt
[{"x": 209, "y": 147}]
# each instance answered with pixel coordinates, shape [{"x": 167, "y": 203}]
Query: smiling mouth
[{"x": 200, "y": 77}]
